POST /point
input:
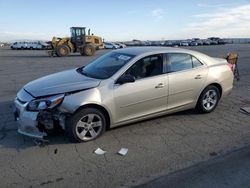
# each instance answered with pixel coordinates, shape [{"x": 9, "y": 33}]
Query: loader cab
[{"x": 78, "y": 36}]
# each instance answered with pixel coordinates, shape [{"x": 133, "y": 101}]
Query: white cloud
[
  {"x": 157, "y": 14},
  {"x": 233, "y": 22}
]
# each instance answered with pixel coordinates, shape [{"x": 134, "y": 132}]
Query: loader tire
[
  {"x": 62, "y": 50},
  {"x": 88, "y": 50}
]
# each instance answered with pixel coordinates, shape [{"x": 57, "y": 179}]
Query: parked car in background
[
  {"x": 19, "y": 45},
  {"x": 213, "y": 38},
  {"x": 1, "y": 45},
  {"x": 45, "y": 45},
  {"x": 199, "y": 42},
  {"x": 121, "y": 45},
  {"x": 155, "y": 43},
  {"x": 168, "y": 43},
  {"x": 222, "y": 41},
  {"x": 206, "y": 42},
  {"x": 37, "y": 45},
  {"x": 31, "y": 45},
  {"x": 176, "y": 43},
  {"x": 184, "y": 43},
  {"x": 193, "y": 43},
  {"x": 147, "y": 43},
  {"x": 136, "y": 43},
  {"x": 213, "y": 42},
  {"x": 120, "y": 87},
  {"x": 110, "y": 45}
]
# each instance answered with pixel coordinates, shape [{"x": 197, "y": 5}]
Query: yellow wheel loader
[{"x": 78, "y": 42}]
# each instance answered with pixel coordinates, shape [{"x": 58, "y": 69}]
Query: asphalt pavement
[{"x": 227, "y": 171}]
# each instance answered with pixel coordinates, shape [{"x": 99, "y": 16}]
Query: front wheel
[
  {"x": 85, "y": 125},
  {"x": 62, "y": 50},
  {"x": 208, "y": 99}
]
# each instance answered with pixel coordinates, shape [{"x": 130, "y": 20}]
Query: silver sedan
[{"x": 120, "y": 87}]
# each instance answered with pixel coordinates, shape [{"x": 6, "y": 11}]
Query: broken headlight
[{"x": 45, "y": 103}]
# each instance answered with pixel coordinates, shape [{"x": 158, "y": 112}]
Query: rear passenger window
[
  {"x": 179, "y": 62},
  {"x": 196, "y": 62}
]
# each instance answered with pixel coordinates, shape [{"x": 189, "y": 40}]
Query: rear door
[{"x": 187, "y": 76}]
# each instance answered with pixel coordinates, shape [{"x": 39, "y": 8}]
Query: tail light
[{"x": 231, "y": 66}]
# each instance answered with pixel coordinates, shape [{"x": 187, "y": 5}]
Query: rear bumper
[
  {"x": 227, "y": 91},
  {"x": 27, "y": 121}
]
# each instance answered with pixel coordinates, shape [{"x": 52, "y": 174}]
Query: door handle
[
  {"x": 198, "y": 76},
  {"x": 160, "y": 85}
]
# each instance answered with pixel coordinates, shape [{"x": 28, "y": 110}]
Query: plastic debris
[
  {"x": 40, "y": 142},
  {"x": 123, "y": 151},
  {"x": 245, "y": 110},
  {"x": 99, "y": 151}
]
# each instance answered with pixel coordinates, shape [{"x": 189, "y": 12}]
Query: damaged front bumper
[{"x": 27, "y": 121}]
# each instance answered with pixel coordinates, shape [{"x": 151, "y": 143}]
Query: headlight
[{"x": 46, "y": 103}]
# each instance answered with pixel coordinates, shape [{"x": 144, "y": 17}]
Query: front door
[{"x": 147, "y": 95}]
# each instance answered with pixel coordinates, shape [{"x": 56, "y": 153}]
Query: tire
[
  {"x": 62, "y": 50},
  {"x": 88, "y": 50},
  {"x": 208, "y": 100},
  {"x": 81, "y": 123}
]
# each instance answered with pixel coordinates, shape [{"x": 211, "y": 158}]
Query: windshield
[{"x": 106, "y": 65}]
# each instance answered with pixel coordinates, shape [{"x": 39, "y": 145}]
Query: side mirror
[{"x": 125, "y": 79}]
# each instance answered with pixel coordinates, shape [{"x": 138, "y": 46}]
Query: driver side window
[{"x": 147, "y": 67}]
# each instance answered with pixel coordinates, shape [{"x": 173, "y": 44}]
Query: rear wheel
[
  {"x": 86, "y": 125},
  {"x": 208, "y": 99},
  {"x": 88, "y": 50},
  {"x": 62, "y": 50}
]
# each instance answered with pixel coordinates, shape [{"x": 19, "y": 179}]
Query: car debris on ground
[
  {"x": 99, "y": 151},
  {"x": 123, "y": 151},
  {"x": 40, "y": 142}
]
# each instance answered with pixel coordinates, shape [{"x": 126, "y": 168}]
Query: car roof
[
  {"x": 150, "y": 50},
  {"x": 147, "y": 50}
]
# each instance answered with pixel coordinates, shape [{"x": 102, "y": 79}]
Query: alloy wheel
[
  {"x": 89, "y": 127},
  {"x": 210, "y": 100}
]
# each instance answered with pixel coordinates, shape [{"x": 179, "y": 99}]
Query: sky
[{"x": 124, "y": 20}]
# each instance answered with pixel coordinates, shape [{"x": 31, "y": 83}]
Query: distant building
[{"x": 237, "y": 40}]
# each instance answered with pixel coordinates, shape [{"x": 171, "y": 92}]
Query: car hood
[{"x": 66, "y": 81}]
